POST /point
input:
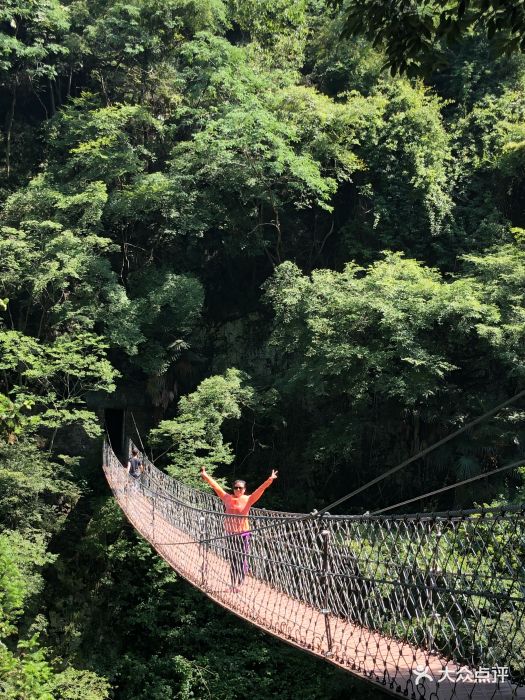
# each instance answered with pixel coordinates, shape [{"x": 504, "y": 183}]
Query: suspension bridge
[{"x": 424, "y": 606}]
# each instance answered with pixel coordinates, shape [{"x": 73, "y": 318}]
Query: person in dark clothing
[{"x": 135, "y": 464}]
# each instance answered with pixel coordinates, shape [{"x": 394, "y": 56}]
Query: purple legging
[{"x": 237, "y": 551}]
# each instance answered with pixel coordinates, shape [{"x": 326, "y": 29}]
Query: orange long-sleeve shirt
[{"x": 237, "y": 505}]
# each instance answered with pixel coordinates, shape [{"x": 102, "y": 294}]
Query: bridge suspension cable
[
  {"x": 506, "y": 467},
  {"x": 424, "y": 452}
]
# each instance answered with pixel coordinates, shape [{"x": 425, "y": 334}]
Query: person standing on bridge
[
  {"x": 135, "y": 464},
  {"x": 238, "y": 527}
]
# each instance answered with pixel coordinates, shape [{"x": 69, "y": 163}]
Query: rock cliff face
[
  {"x": 139, "y": 403},
  {"x": 242, "y": 343}
]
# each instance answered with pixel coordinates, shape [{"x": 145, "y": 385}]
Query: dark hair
[
  {"x": 134, "y": 451},
  {"x": 239, "y": 482}
]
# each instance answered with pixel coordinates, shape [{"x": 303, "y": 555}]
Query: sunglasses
[{"x": 236, "y": 488}]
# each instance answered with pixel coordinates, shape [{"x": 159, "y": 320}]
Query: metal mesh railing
[{"x": 426, "y": 605}]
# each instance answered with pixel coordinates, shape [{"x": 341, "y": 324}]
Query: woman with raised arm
[{"x": 238, "y": 527}]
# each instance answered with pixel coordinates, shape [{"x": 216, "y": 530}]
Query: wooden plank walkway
[{"x": 386, "y": 662}]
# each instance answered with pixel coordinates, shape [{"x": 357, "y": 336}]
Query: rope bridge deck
[{"x": 425, "y": 606}]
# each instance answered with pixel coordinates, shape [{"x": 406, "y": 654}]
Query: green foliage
[
  {"x": 338, "y": 64},
  {"x": 23, "y": 557},
  {"x": 240, "y": 158},
  {"x": 356, "y": 333},
  {"x": 266, "y": 152},
  {"x": 411, "y": 32},
  {"x": 12, "y": 589},
  {"x": 145, "y": 33},
  {"x": 57, "y": 234},
  {"x": 108, "y": 144},
  {"x": 23, "y": 673},
  {"x": 404, "y": 191},
  {"x": 196, "y": 432},
  {"x": 388, "y": 343},
  {"x": 172, "y": 302},
  {"x": 29, "y": 41},
  {"x": 266, "y": 19},
  {"x": 491, "y": 128},
  {"x": 13, "y": 419},
  {"x": 502, "y": 274},
  {"x": 473, "y": 72},
  {"x": 27, "y": 671},
  {"x": 36, "y": 491},
  {"x": 278, "y": 30},
  {"x": 162, "y": 159},
  {"x": 53, "y": 378},
  {"x": 519, "y": 496},
  {"x": 77, "y": 684},
  {"x": 489, "y": 177},
  {"x": 31, "y": 46}
]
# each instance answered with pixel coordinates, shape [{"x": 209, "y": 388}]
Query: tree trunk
[
  {"x": 52, "y": 98},
  {"x": 9, "y": 129}
]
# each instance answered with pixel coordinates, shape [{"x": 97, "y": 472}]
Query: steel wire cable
[
  {"x": 506, "y": 467},
  {"x": 424, "y": 452}
]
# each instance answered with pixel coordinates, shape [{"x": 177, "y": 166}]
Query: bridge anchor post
[
  {"x": 204, "y": 550},
  {"x": 325, "y": 584},
  {"x": 153, "y": 501}
]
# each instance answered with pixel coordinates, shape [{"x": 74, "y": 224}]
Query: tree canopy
[
  {"x": 415, "y": 34},
  {"x": 258, "y": 234}
]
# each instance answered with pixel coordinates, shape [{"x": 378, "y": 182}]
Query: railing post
[
  {"x": 325, "y": 586},
  {"x": 125, "y": 484},
  {"x": 204, "y": 549},
  {"x": 153, "y": 501}
]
